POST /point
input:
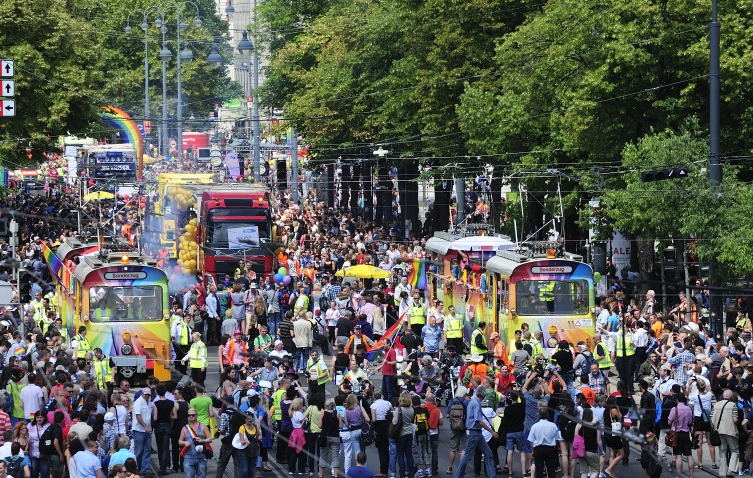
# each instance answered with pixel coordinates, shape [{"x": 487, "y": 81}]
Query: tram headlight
[{"x": 126, "y": 348}]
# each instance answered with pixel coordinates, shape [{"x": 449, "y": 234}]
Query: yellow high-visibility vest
[
  {"x": 83, "y": 346},
  {"x": 629, "y": 347},
  {"x": 474, "y": 348},
  {"x": 606, "y": 361},
  {"x": 195, "y": 359},
  {"x": 183, "y": 333},
  {"x": 320, "y": 370},
  {"x": 454, "y": 325},
  {"x": 104, "y": 372},
  {"x": 417, "y": 315},
  {"x": 546, "y": 292}
]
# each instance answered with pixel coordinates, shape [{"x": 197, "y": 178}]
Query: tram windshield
[
  {"x": 545, "y": 297},
  {"x": 125, "y": 303}
]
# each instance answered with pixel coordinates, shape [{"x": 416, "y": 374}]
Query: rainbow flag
[
  {"x": 20, "y": 351},
  {"x": 417, "y": 276},
  {"x": 386, "y": 341},
  {"x": 53, "y": 262}
]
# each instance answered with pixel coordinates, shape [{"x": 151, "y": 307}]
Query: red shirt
[
  {"x": 4, "y": 425},
  {"x": 504, "y": 382},
  {"x": 388, "y": 369},
  {"x": 434, "y": 415}
]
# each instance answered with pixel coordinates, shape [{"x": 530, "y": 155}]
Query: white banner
[{"x": 243, "y": 237}]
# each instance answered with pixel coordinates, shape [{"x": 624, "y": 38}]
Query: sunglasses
[{"x": 191, "y": 414}]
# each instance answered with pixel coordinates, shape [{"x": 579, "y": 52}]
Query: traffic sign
[
  {"x": 8, "y": 108},
  {"x": 7, "y": 88},
  {"x": 7, "y": 68}
]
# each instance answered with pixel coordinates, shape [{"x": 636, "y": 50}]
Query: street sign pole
[{"x": 7, "y": 89}]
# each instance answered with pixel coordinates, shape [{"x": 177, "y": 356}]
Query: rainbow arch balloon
[{"x": 118, "y": 118}]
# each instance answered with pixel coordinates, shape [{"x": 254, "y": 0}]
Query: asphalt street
[{"x": 633, "y": 469}]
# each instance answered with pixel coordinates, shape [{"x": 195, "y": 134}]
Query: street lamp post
[
  {"x": 243, "y": 46},
  {"x": 145, "y": 28},
  {"x": 164, "y": 55}
]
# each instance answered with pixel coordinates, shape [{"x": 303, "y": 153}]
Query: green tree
[
  {"x": 58, "y": 73},
  {"x": 656, "y": 211}
]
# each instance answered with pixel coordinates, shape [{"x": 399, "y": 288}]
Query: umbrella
[
  {"x": 99, "y": 196},
  {"x": 363, "y": 271},
  {"x": 482, "y": 243}
]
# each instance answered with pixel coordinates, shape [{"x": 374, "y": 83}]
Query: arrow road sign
[
  {"x": 7, "y": 88},
  {"x": 8, "y": 108},
  {"x": 7, "y": 68}
]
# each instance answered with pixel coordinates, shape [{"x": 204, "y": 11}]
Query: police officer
[
  {"x": 197, "y": 359},
  {"x": 80, "y": 343},
  {"x": 478, "y": 341},
  {"x": 417, "y": 314},
  {"x": 104, "y": 372},
  {"x": 317, "y": 373},
  {"x": 453, "y": 324}
]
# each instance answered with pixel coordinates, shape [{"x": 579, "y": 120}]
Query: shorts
[
  {"x": 684, "y": 445},
  {"x": 701, "y": 426},
  {"x": 516, "y": 440},
  {"x": 458, "y": 441},
  {"x": 614, "y": 442},
  {"x": 590, "y": 463}
]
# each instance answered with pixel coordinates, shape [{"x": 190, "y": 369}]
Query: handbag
[
  {"x": 368, "y": 435},
  {"x": 393, "y": 431},
  {"x": 715, "y": 439},
  {"x": 579, "y": 446},
  {"x": 306, "y": 422},
  {"x": 671, "y": 438}
]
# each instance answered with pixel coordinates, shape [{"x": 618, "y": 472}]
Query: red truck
[{"x": 235, "y": 223}]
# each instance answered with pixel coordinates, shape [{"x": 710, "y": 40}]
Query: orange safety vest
[
  {"x": 231, "y": 350},
  {"x": 500, "y": 351},
  {"x": 479, "y": 371},
  {"x": 310, "y": 273},
  {"x": 126, "y": 230}
]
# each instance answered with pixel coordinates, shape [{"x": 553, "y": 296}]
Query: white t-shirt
[
  {"x": 332, "y": 315},
  {"x": 30, "y": 396},
  {"x": 121, "y": 417},
  {"x": 381, "y": 407},
  {"x": 143, "y": 408},
  {"x": 5, "y": 451}
]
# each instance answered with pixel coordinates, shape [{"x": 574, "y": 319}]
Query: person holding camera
[{"x": 194, "y": 436}]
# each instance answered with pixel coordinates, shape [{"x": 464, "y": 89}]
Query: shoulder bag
[
  {"x": 579, "y": 444},
  {"x": 393, "y": 431},
  {"x": 715, "y": 439},
  {"x": 671, "y": 438}
]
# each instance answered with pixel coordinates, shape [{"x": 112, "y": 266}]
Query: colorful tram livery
[
  {"x": 551, "y": 295},
  {"x": 122, "y": 300},
  {"x": 540, "y": 285}
]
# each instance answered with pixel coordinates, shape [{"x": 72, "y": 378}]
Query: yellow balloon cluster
[
  {"x": 187, "y": 250},
  {"x": 182, "y": 198}
]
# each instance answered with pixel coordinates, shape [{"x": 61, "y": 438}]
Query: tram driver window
[
  {"x": 543, "y": 297},
  {"x": 125, "y": 303}
]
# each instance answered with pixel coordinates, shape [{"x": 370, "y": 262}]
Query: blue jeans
[
  {"x": 40, "y": 468},
  {"x": 351, "y": 447},
  {"x": 273, "y": 321},
  {"x": 476, "y": 440},
  {"x": 195, "y": 467},
  {"x": 142, "y": 448},
  {"x": 163, "y": 444},
  {"x": 405, "y": 455},
  {"x": 393, "y": 457},
  {"x": 248, "y": 465},
  {"x": 568, "y": 378},
  {"x": 303, "y": 357},
  {"x": 388, "y": 385}
]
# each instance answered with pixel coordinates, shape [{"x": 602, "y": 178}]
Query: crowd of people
[{"x": 296, "y": 373}]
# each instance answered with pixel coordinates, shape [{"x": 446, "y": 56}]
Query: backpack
[
  {"x": 324, "y": 303},
  {"x": 14, "y": 466},
  {"x": 316, "y": 334},
  {"x": 587, "y": 364},
  {"x": 421, "y": 420},
  {"x": 567, "y": 428},
  {"x": 46, "y": 444},
  {"x": 457, "y": 416}
]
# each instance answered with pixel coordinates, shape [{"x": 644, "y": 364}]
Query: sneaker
[
  {"x": 449, "y": 472},
  {"x": 427, "y": 472},
  {"x": 419, "y": 473},
  {"x": 602, "y": 475}
]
